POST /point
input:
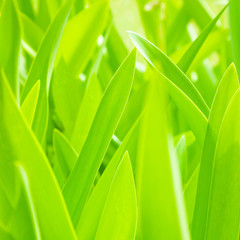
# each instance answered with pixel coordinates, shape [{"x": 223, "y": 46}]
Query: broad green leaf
[
  {"x": 42, "y": 67},
  {"x": 235, "y": 33},
  {"x": 161, "y": 207},
  {"x": 18, "y": 145},
  {"x": 89, "y": 221},
  {"x": 66, "y": 155},
  {"x": 120, "y": 210},
  {"x": 159, "y": 60},
  {"x": 86, "y": 113},
  {"x": 227, "y": 87},
  {"x": 192, "y": 51},
  {"x": 80, "y": 36},
  {"x": 224, "y": 199},
  {"x": 109, "y": 112},
  {"x": 10, "y": 35},
  {"x": 29, "y": 105}
]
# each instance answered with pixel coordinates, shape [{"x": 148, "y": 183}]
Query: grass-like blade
[
  {"x": 88, "y": 109},
  {"x": 18, "y": 145},
  {"x": 32, "y": 33},
  {"x": 66, "y": 155},
  {"x": 192, "y": 51},
  {"x": 227, "y": 87},
  {"x": 194, "y": 117},
  {"x": 23, "y": 223},
  {"x": 42, "y": 67},
  {"x": 234, "y": 25},
  {"x": 89, "y": 220},
  {"x": 80, "y": 36},
  {"x": 160, "y": 61},
  {"x": 10, "y": 35},
  {"x": 29, "y": 105},
  {"x": 120, "y": 210},
  {"x": 109, "y": 112},
  {"x": 67, "y": 93},
  {"x": 160, "y": 202},
  {"x": 224, "y": 203}
]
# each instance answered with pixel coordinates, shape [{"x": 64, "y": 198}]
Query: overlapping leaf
[
  {"x": 104, "y": 124},
  {"x": 226, "y": 89}
]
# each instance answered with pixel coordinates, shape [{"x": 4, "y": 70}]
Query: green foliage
[{"x": 119, "y": 119}]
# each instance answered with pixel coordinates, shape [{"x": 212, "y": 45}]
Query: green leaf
[
  {"x": 80, "y": 36},
  {"x": 159, "y": 60},
  {"x": 161, "y": 207},
  {"x": 4, "y": 234},
  {"x": 192, "y": 51},
  {"x": 199, "y": 11},
  {"x": 120, "y": 210},
  {"x": 42, "y": 67},
  {"x": 104, "y": 124},
  {"x": 10, "y": 35},
  {"x": 18, "y": 145},
  {"x": 67, "y": 92},
  {"x": 66, "y": 155},
  {"x": 234, "y": 16},
  {"x": 23, "y": 223},
  {"x": 227, "y": 87},
  {"x": 89, "y": 221},
  {"x": 86, "y": 113},
  {"x": 150, "y": 12},
  {"x": 224, "y": 203},
  {"x": 32, "y": 33},
  {"x": 194, "y": 117},
  {"x": 29, "y": 105}
]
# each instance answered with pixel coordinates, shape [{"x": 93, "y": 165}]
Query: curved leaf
[
  {"x": 89, "y": 221},
  {"x": 161, "y": 207},
  {"x": 160, "y": 61},
  {"x": 19, "y": 145},
  {"x": 10, "y": 35},
  {"x": 66, "y": 155},
  {"x": 234, "y": 25},
  {"x": 192, "y": 51},
  {"x": 227, "y": 87},
  {"x": 42, "y": 67},
  {"x": 224, "y": 204},
  {"x": 80, "y": 36},
  {"x": 119, "y": 217},
  {"x": 109, "y": 112},
  {"x": 29, "y": 105}
]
